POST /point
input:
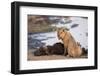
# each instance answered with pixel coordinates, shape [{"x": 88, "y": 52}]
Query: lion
[{"x": 73, "y": 48}]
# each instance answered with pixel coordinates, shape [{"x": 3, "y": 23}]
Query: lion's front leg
[{"x": 65, "y": 52}]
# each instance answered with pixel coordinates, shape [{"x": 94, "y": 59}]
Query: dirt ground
[{"x": 31, "y": 57}]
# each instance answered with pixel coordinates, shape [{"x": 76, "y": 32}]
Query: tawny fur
[{"x": 73, "y": 49}]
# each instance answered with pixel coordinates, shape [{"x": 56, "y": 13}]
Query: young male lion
[{"x": 73, "y": 49}]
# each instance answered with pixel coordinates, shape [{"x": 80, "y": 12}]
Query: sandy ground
[{"x": 31, "y": 57}]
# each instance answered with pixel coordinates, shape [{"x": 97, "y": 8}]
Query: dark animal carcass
[
  {"x": 40, "y": 51},
  {"x": 56, "y": 49}
]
